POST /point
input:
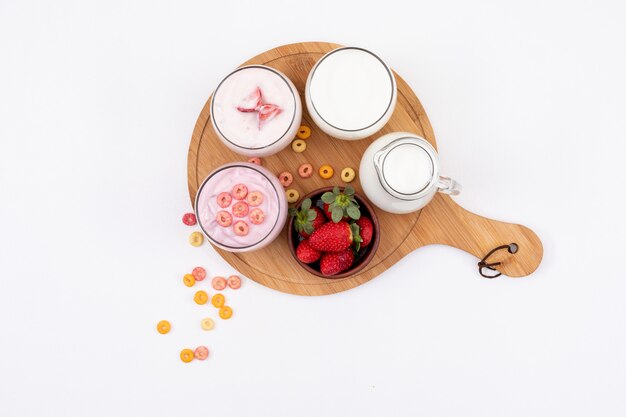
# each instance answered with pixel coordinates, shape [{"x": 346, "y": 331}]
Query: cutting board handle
[{"x": 443, "y": 221}]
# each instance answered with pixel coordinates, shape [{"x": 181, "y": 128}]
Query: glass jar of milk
[{"x": 399, "y": 173}]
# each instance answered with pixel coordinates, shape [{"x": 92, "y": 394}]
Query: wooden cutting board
[{"x": 442, "y": 221}]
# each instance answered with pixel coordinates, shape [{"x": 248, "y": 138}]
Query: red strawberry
[
  {"x": 267, "y": 112},
  {"x": 251, "y": 102},
  {"x": 306, "y": 253},
  {"x": 334, "y": 237},
  {"x": 334, "y": 263},
  {"x": 366, "y": 230},
  {"x": 307, "y": 219}
]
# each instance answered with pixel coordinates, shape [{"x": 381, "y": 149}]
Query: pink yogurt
[
  {"x": 240, "y": 131},
  {"x": 256, "y": 178}
]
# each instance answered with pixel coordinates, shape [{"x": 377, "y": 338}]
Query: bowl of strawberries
[{"x": 333, "y": 232}]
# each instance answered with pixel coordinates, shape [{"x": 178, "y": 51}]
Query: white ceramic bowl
[
  {"x": 351, "y": 93},
  {"x": 241, "y": 130}
]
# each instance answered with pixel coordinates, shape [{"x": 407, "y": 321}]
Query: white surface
[{"x": 97, "y": 105}]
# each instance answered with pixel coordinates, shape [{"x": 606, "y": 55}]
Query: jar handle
[{"x": 449, "y": 186}]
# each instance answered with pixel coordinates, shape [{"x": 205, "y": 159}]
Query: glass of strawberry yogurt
[
  {"x": 241, "y": 207},
  {"x": 256, "y": 110}
]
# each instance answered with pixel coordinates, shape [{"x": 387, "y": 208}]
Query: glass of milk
[
  {"x": 256, "y": 110},
  {"x": 350, "y": 93}
]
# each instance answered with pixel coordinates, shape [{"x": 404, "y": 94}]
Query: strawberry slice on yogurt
[
  {"x": 251, "y": 102},
  {"x": 267, "y": 112}
]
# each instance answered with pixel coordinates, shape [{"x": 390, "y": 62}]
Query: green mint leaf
[
  {"x": 311, "y": 215},
  {"x": 306, "y": 204},
  {"x": 348, "y": 190},
  {"x": 335, "y": 190},
  {"x": 292, "y": 212}
]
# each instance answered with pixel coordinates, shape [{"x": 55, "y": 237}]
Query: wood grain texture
[{"x": 441, "y": 222}]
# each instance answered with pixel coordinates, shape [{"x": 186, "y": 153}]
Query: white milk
[
  {"x": 351, "y": 89},
  {"x": 408, "y": 169}
]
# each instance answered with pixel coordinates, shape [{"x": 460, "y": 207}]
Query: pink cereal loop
[
  {"x": 240, "y": 209},
  {"x": 224, "y": 199},
  {"x": 256, "y": 216},
  {"x": 241, "y": 228},
  {"x": 218, "y": 283},
  {"x": 201, "y": 353},
  {"x": 234, "y": 282},
  {"x": 224, "y": 218},
  {"x": 254, "y": 198},
  {"x": 199, "y": 273},
  {"x": 240, "y": 191}
]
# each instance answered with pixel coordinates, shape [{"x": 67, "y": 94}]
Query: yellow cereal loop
[
  {"x": 292, "y": 195},
  {"x": 196, "y": 239},
  {"x": 347, "y": 174},
  {"x": 298, "y": 145},
  {"x": 207, "y": 324}
]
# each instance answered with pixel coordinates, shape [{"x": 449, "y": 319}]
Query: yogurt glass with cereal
[
  {"x": 256, "y": 110},
  {"x": 241, "y": 207}
]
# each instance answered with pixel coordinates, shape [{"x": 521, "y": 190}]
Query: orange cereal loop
[
  {"x": 226, "y": 312},
  {"x": 186, "y": 355},
  {"x": 164, "y": 327},
  {"x": 189, "y": 280},
  {"x": 304, "y": 132},
  {"x": 218, "y": 300},
  {"x": 326, "y": 171},
  {"x": 201, "y": 297}
]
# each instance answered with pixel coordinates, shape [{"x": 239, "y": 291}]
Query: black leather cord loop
[{"x": 511, "y": 247}]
